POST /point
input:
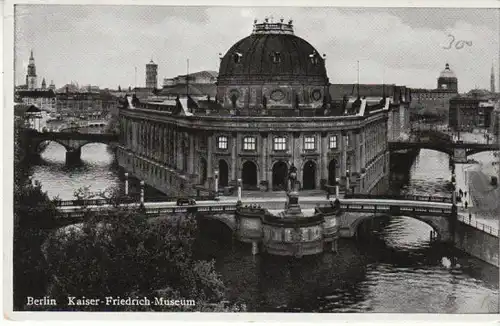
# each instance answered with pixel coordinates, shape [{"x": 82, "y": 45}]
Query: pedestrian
[
  {"x": 470, "y": 217},
  {"x": 466, "y": 204},
  {"x": 465, "y": 193},
  {"x": 328, "y": 194},
  {"x": 461, "y": 193}
]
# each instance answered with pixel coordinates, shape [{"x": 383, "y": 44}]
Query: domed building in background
[
  {"x": 271, "y": 111},
  {"x": 447, "y": 80},
  {"x": 435, "y": 103}
]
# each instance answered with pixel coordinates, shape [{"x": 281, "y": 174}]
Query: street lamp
[
  {"x": 216, "y": 186},
  {"x": 142, "y": 192},
  {"x": 347, "y": 179}
]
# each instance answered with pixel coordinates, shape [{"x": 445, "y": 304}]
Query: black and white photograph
[{"x": 252, "y": 159}]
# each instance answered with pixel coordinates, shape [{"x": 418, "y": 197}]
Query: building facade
[
  {"x": 470, "y": 111},
  {"x": 45, "y": 100},
  {"x": 77, "y": 103},
  {"x": 151, "y": 75},
  {"x": 272, "y": 111},
  {"x": 436, "y": 101}
]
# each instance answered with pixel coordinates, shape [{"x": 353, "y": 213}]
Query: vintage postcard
[{"x": 239, "y": 159}]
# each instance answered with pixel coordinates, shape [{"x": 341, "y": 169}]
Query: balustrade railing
[
  {"x": 124, "y": 200},
  {"x": 480, "y": 226},
  {"x": 439, "y": 199}
]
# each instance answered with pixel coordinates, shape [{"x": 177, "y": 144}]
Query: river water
[{"x": 392, "y": 267}]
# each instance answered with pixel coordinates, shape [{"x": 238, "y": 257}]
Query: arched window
[
  {"x": 276, "y": 57},
  {"x": 237, "y": 57}
]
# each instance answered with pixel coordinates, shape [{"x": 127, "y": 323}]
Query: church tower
[
  {"x": 492, "y": 79},
  {"x": 151, "y": 75},
  {"x": 31, "y": 81},
  {"x": 44, "y": 84}
]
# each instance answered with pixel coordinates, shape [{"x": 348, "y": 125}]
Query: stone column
[
  {"x": 297, "y": 149},
  {"x": 233, "y": 155},
  {"x": 324, "y": 157},
  {"x": 209, "y": 154},
  {"x": 263, "y": 153},
  {"x": 363, "y": 149},
  {"x": 343, "y": 157},
  {"x": 269, "y": 161},
  {"x": 357, "y": 146},
  {"x": 191, "y": 155}
]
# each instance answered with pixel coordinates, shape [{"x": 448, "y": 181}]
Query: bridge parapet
[{"x": 438, "y": 199}]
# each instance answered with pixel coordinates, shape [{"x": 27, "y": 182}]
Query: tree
[
  {"x": 127, "y": 255},
  {"x": 34, "y": 212}
]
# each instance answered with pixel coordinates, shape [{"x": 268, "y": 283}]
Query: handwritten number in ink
[
  {"x": 458, "y": 45},
  {"x": 451, "y": 42}
]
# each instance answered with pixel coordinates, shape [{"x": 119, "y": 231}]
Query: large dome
[
  {"x": 272, "y": 53},
  {"x": 447, "y": 73}
]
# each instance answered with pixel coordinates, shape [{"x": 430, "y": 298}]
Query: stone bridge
[
  {"x": 457, "y": 151},
  {"x": 440, "y": 216},
  {"x": 72, "y": 141}
]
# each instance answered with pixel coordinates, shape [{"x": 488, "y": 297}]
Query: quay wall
[{"x": 477, "y": 243}]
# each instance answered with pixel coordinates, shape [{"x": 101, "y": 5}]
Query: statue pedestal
[{"x": 292, "y": 207}]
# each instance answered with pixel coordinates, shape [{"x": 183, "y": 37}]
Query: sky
[{"x": 105, "y": 45}]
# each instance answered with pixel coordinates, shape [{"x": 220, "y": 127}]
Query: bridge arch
[
  {"x": 40, "y": 147},
  {"x": 440, "y": 224}
]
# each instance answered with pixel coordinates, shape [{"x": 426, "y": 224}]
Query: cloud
[{"x": 103, "y": 44}]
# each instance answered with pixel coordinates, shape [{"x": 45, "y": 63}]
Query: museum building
[{"x": 272, "y": 110}]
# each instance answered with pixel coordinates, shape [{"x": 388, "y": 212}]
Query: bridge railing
[
  {"x": 480, "y": 226},
  {"x": 386, "y": 208},
  {"x": 165, "y": 210},
  {"x": 439, "y": 199},
  {"x": 125, "y": 200}
]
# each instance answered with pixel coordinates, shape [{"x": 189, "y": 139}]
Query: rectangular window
[
  {"x": 222, "y": 142},
  {"x": 309, "y": 143},
  {"x": 279, "y": 144},
  {"x": 249, "y": 143},
  {"x": 333, "y": 142}
]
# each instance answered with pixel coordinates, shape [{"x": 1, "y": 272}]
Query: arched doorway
[
  {"x": 203, "y": 171},
  {"x": 332, "y": 167},
  {"x": 280, "y": 172},
  {"x": 309, "y": 176},
  {"x": 249, "y": 175},
  {"x": 223, "y": 173}
]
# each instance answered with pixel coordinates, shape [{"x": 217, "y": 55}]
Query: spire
[
  {"x": 492, "y": 79},
  {"x": 31, "y": 56}
]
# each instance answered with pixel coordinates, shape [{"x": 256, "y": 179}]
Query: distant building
[
  {"x": 31, "y": 78},
  {"x": 472, "y": 110},
  {"x": 436, "y": 101},
  {"x": 32, "y": 116},
  {"x": 492, "y": 80},
  {"x": 44, "y": 84},
  {"x": 52, "y": 86},
  {"x": 44, "y": 99},
  {"x": 151, "y": 75},
  {"x": 76, "y": 102},
  {"x": 495, "y": 122},
  {"x": 199, "y": 86}
]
